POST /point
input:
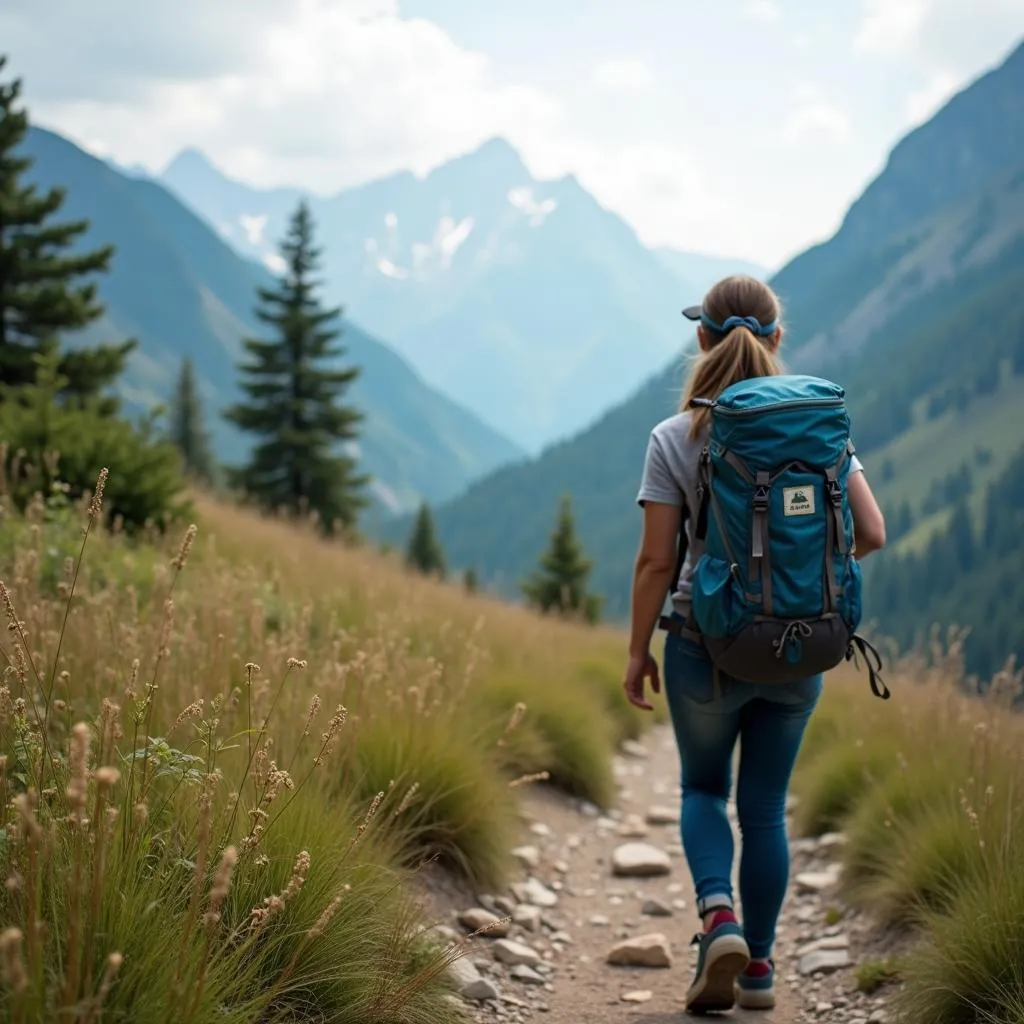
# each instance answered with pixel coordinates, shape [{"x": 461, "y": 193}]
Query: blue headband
[{"x": 751, "y": 323}]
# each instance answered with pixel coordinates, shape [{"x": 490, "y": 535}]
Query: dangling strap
[{"x": 878, "y": 687}]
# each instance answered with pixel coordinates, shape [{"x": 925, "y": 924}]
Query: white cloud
[
  {"x": 814, "y": 116},
  {"x": 328, "y": 94},
  {"x": 324, "y": 94},
  {"x": 626, "y": 74},
  {"x": 766, "y": 11},
  {"x": 890, "y": 26}
]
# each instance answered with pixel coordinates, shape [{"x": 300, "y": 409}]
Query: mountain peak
[
  {"x": 494, "y": 158},
  {"x": 190, "y": 160}
]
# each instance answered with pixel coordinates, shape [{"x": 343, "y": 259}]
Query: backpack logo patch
[{"x": 798, "y": 501}]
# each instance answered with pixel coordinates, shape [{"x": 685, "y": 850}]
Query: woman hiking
[{"x": 738, "y": 334}]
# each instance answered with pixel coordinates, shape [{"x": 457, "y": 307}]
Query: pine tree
[
  {"x": 470, "y": 581},
  {"x": 295, "y": 385},
  {"x": 424, "y": 553},
  {"x": 38, "y": 297},
  {"x": 560, "y": 582},
  {"x": 188, "y": 431}
]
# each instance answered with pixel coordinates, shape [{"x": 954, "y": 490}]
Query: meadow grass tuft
[
  {"x": 224, "y": 757},
  {"x": 927, "y": 789}
]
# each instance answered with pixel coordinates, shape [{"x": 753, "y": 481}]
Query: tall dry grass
[
  {"x": 223, "y": 759},
  {"x": 928, "y": 788}
]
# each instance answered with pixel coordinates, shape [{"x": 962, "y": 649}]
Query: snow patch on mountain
[
  {"x": 389, "y": 269},
  {"x": 254, "y": 226},
  {"x": 522, "y": 198},
  {"x": 274, "y": 263}
]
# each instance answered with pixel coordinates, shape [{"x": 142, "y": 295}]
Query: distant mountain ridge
[
  {"x": 523, "y": 299},
  {"x": 182, "y": 290},
  {"x": 916, "y": 305}
]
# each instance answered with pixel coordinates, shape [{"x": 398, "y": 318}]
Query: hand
[{"x": 641, "y": 667}]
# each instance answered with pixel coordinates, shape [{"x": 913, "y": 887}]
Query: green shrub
[{"x": 47, "y": 446}]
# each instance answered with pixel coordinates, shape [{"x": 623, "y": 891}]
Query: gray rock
[
  {"x": 662, "y": 816},
  {"x": 533, "y": 892},
  {"x": 512, "y": 953},
  {"x": 631, "y": 748},
  {"x": 476, "y": 918},
  {"x": 828, "y": 942},
  {"x": 528, "y": 857},
  {"x": 818, "y": 881},
  {"x": 641, "y": 951},
  {"x": 469, "y": 982},
  {"x": 655, "y": 908},
  {"x": 527, "y": 916},
  {"x": 526, "y": 975},
  {"x": 824, "y": 961},
  {"x": 640, "y": 860}
]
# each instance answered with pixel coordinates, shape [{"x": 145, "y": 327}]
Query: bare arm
[
  {"x": 652, "y": 576},
  {"x": 868, "y": 521}
]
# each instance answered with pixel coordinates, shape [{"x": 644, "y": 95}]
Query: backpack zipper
[{"x": 775, "y": 406}]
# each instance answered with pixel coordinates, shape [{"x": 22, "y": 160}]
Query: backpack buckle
[
  {"x": 760, "y": 499},
  {"x": 835, "y": 493}
]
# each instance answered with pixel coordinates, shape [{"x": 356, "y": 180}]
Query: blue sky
[{"x": 738, "y": 127}]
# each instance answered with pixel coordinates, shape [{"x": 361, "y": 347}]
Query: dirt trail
[{"x": 553, "y": 964}]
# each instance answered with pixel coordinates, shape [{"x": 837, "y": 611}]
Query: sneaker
[
  {"x": 756, "y": 986},
  {"x": 722, "y": 957}
]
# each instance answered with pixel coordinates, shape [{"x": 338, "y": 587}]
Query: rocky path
[{"x": 602, "y": 917}]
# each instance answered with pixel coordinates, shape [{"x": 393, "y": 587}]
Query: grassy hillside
[
  {"x": 926, "y": 790},
  {"x": 321, "y": 722},
  {"x": 178, "y": 288}
]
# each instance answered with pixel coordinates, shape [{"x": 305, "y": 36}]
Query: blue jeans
[{"x": 769, "y": 721}]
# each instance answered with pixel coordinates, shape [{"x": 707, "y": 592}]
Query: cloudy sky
[{"x": 739, "y": 127}]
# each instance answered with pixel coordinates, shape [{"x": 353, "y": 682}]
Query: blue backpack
[{"x": 776, "y": 589}]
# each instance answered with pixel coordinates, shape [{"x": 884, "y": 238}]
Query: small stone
[
  {"x": 828, "y": 942},
  {"x": 534, "y": 892},
  {"x": 662, "y": 816},
  {"x": 561, "y": 867},
  {"x": 526, "y": 975},
  {"x": 528, "y": 857},
  {"x": 830, "y": 840},
  {"x": 824, "y": 961},
  {"x": 641, "y": 951},
  {"x": 878, "y": 1017},
  {"x": 631, "y": 748},
  {"x": 589, "y": 810},
  {"x": 823, "y": 1007},
  {"x": 600, "y": 920},
  {"x": 640, "y": 860},
  {"x": 632, "y": 827},
  {"x": 512, "y": 953},
  {"x": 476, "y": 918},
  {"x": 818, "y": 881},
  {"x": 538, "y": 828},
  {"x": 638, "y": 996},
  {"x": 655, "y": 908},
  {"x": 504, "y": 904},
  {"x": 679, "y": 904},
  {"x": 469, "y": 982},
  {"x": 527, "y": 916}
]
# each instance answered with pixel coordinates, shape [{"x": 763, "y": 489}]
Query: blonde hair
[{"x": 738, "y": 354}]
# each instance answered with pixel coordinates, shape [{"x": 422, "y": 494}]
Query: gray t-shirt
[{"x": 670, "y": 478}]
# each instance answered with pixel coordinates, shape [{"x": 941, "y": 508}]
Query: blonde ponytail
[{"x": 736, "y": 355}]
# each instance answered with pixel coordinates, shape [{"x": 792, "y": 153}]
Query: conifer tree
[
  {"x": 295, "y": 385},
  {"x": 470, "y": 581},
  {"x": 187, "y": 429},
  {"x": 424, "y": 552},
  {"x": 40, "y": 298},
  {"x": 560, "y": 582}
]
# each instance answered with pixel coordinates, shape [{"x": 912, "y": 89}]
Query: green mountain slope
[
  {"x": 181, "y": 290},
  {"x": 916, "y": 306}
]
